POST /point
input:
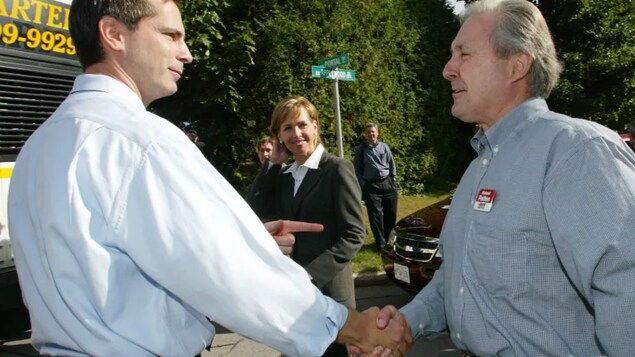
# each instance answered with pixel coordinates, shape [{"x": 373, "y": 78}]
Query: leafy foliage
[
  {"x": 248, "y": 55},
  {"x": 446, "y": 138},
  {"x": 596, "y": 42},
  {"x": 381, "y": 43},
  {"x": 251, "y": 54}
]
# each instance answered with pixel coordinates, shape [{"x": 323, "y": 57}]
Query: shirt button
[
  {"x": 458, "y": 336},
  {"x": 421, "y": 327},
  {"x": 485, "y": 162},
  {"x": 495, "y": 149},
  {"x": 461, "y": 291}
]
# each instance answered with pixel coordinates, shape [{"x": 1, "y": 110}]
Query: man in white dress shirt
[{"x": 127, "y": 241}]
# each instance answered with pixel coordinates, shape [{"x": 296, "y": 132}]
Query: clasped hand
[
  {"x": 388, "y": 334},
  {"x": 371, "y": 333}
]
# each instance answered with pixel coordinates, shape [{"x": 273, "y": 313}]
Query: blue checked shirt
[
  {"x": 373, "y": 162},
  {"x": 549, "y": 270}
]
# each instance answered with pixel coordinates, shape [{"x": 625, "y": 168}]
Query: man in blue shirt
[
  {"x": 127, "y": 241},
  {"x": 538, "y": 245},
  {"x": 377, "y": 175}
]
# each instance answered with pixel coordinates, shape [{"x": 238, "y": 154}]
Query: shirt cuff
[{"x": 337, "y": 315}]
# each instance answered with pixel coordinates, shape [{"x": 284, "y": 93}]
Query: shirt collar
[
  {"x": 313, "y": 162},
  {"x": 508, "y": 125},
  {"x": 110, "y": 85}
]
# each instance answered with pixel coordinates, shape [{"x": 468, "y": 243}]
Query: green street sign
[
  {"x": 340, "y": 74},
  {"x": 333, "y": 62},
  {"x": 316, "y": 71}
]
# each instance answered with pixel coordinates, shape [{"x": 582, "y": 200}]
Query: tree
[
  {"x": 446, "y": 138},
  {"x": 384, "y": 40},
  {"x": 250, "y": 54},
  {"x": 222, "y": 45},
  {"x": 596, "y": 42}
]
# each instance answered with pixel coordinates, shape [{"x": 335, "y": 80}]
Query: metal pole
[{"x": 338, "y": 121}]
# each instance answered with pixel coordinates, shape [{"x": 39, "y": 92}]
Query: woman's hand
[{"x": 279, "y": 154}]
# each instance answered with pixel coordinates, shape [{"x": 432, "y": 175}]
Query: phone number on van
[{"x": 37, "y": 39}]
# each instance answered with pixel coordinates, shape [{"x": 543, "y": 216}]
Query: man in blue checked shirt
[
  {"x": 538, "y": 245},
  {"x": 377, "y": 175}
]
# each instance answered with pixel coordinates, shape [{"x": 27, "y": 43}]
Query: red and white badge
[{"x": 485, "y": 200}]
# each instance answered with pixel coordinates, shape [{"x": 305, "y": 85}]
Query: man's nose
[
  {"x": 449, "y": 70},
  {"x": 184, "y": 54}
]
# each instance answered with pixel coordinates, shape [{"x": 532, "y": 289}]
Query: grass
[{"x": 369, "y": 260}]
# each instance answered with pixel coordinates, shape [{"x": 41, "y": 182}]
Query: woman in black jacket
[{"x": 317, "y": 187}]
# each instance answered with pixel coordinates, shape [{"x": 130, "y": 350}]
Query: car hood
[{"x": 427, "y": 221}]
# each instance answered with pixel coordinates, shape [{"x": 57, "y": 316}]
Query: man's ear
[
  {"x": 111, "y": 33},
  {"x": 521, "y": 62}
]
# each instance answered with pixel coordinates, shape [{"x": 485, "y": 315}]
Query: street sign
[
  {"x": 316, "y": 71},
  {"x": 340, "y": 74},
  {"x": 333, "y": 62},
  {"x": 329, "y": 68}
]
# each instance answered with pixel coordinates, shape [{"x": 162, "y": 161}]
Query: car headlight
[
  {"x": 392, "y": 237},
  {"x": 439, "y": 254}
]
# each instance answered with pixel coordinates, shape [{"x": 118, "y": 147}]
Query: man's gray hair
[
  {"x": 522, "y": 28},
  {"x": 371, "y": 125}
]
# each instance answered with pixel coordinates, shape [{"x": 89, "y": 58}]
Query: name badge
[{"x": 485, "y": 200}]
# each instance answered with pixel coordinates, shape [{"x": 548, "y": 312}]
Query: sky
[{"x": 458, "y": 5}]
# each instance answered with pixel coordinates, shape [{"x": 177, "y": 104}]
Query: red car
[{"x": 411, "y": 255}]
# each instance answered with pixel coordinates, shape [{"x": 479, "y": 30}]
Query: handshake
[
  {"x": 370, "y": 333},
  {"x": 376, "y": 333}
]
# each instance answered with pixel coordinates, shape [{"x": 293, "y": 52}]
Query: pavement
[{"x": 370, "y": 278}]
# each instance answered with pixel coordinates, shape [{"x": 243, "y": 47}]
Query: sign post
[
  {"x": 328, "y": 68},
  {"x": 338, "y": 120}
]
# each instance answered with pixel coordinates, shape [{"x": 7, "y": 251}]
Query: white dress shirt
[
  {"x": 126, "y": 239},
  {"x": 299, "y": 171}
]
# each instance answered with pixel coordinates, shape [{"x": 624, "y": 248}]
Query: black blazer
[{"x": 329, "y": 195}]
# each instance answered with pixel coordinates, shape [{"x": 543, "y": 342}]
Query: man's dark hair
[
  {"x": 265, "y": 139},
  {"x": 85, "y": 15}
]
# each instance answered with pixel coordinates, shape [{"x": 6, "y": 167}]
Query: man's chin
[
  {"x": 165, "y": 93},
  {"x": 456, "y": 113},
  {"x": 169, "y": 90},
  {"x": 460, "y": 114}
]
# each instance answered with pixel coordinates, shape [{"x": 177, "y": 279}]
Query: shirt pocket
[{"x": 499, "y": 260}]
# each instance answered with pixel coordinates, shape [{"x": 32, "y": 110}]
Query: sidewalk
[{"x": 370, "y": 278}]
